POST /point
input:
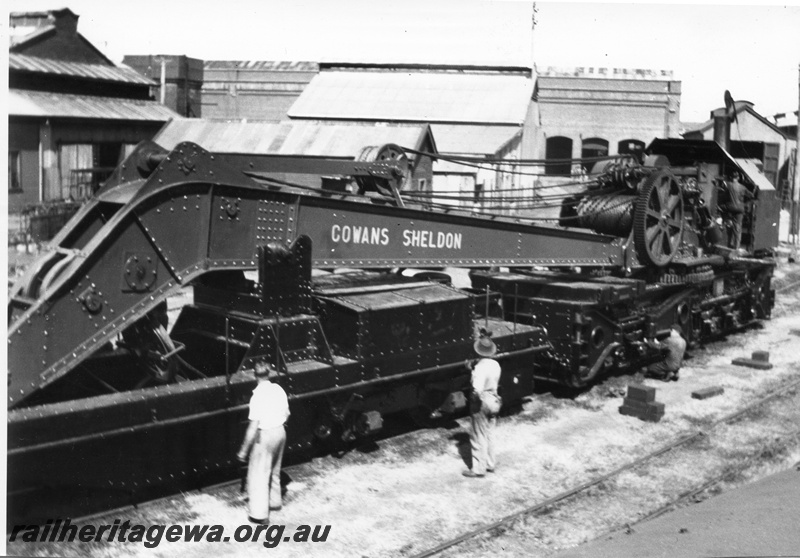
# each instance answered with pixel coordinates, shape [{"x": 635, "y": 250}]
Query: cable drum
[{"x": 610, "y": 214}]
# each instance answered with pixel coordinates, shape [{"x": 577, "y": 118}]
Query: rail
[{"x": 682, "y": 440}]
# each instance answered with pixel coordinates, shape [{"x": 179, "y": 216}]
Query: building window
[
  {"x": 478, "y": 192},
  {"x": 75, "y": 161},
  {"x": 558, "y": 152},
  {"x": 14, "y": 170},
  {"x": 631, "y": 147},
  {"x": 421, "y": 184},
  {"x": 592, "y": 148},
  {"x": 84, "y": 167}
]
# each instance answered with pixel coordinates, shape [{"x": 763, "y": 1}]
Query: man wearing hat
[
  {"x": 738, "y": 194},
  {"x": 264, "y": 442},
  {"x": 484, "y": 405},
  {"x": 674, "y": 346}
]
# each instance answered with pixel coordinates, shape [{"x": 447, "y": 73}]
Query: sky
[{"x": 753, "y": 51}]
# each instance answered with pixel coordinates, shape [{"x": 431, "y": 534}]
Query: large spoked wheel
[
  {"x": 388, "y": 153},
  {"x": 658, "y": 219}
]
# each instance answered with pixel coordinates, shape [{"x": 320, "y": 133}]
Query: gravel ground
[{"x": 407, "y": 494}]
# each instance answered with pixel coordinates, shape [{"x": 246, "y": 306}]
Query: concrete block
[
  {"x": 759, "y": 364},
  {"x": 761, "y": 356},
  {"x": 705, "y": 393},
  {"x": 640, "y": 406},
  {"x": 639, "y": 392},
  {"x": 629, "y": 411},
  {"x": 655, "y": 408},
  {"x": 651, "y": 412}
]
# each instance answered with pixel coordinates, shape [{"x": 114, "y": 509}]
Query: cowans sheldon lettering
[{"x": 355, "y": 234}]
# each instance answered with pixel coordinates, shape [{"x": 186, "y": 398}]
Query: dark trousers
[{"x": 735, "y": 238}]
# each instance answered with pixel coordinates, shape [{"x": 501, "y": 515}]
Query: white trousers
[
  {"x": 264, "y": 473},
  {"x": 482, "y": 441}
]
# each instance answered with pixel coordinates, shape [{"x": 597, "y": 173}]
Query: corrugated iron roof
[
  {"x": 298, "y": 66},
  {"x": 288, "y": 138},
  {"x": 416, "y": 96},
  {"x": 25, "y": 63},
  {"x": 472, "y": 139},
  {"x": 740, "y": 107},
  {"x": 46, "y": 104}
]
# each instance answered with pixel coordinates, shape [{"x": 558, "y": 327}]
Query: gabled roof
[
  {"x": 404, "y": 96},
  {"x": 315, "y": 139},
  {"x": 34, "y": 64},
  {"x": 21, "y": 38},
  {"x": 740, "y": 107},
  {"x": 23, "y": 35},
  {"x": 44, "y": 104},
  {"x": 473, "y": 139}
]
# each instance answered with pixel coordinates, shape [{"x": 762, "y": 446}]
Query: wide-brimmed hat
[
  {"x": 262, "y": 369},
  {"x": 485, "y": 347}
]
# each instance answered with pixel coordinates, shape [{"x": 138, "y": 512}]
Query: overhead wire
[
  {"x": 494, "y": 169},
  {"x": 522, "y": 162},
  {"x": 529, "y": 218},
  {"x": 531, "y": 204}
]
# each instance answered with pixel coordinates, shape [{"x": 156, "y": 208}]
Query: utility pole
[{"x": 163, "y": 88}]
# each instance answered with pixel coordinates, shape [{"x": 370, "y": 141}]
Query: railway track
[
  {"x": 666, "y": 448},
  {"x": 464, "y": 543}
]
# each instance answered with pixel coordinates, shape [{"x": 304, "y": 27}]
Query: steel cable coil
[{"x": 607, "y": 214}]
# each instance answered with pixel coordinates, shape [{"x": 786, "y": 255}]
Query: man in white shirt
[
  {"x": 674, "y": 347},
  {"x": 485, "y": 405},
  {"x": 264, "y": 441}
]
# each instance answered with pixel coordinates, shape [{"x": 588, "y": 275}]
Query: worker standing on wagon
[
  {"x": 737, "y": 195},
  {"x": 264, "y": 442},
  {"x": 675, "y": 347},
  {"x": 485, "y": 404}
]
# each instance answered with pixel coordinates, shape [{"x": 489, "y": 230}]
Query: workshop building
[
  {"x": 252, "y": 89},
  {"x": 178, "y": 80},
  {"x": 73, "y": 114},
  {"x": 594, "y": 112},
  {"x": 481, "y": 112},
  {"x": 755, "y": 138},
  {"x": 241, "y": 90}
]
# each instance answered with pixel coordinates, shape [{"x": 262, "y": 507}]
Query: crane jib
[{"x": 359, "y": 235}]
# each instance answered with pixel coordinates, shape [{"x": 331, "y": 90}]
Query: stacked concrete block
[
  {"x": 641, "y": 403},
  {"x": 760, "y": 360}
]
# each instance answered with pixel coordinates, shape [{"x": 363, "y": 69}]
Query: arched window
[
  {"x": 558, "y": 150},
  {"x": 631, "y": 147},
  {"x": 593, "y": 147}
]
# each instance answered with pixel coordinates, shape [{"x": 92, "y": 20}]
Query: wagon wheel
[{"x": 658, "y": 219}]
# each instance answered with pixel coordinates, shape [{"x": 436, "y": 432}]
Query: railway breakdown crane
[{"x": 110, "y": 403}]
